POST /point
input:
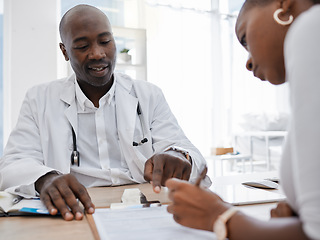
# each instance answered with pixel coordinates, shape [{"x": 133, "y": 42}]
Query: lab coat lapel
[
  {"x": 126, "y": 112},
  {"x": 71, "y": 115},
  {"x": 68, "y": 96},
  {"x": 126, "y": 120}
]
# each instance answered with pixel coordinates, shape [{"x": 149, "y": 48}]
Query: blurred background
[{"x": 186, "y": 47}]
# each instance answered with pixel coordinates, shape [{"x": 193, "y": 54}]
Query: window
[
  {"x": 243, "y": 93},
  {"x": 180, "y": 53},
  {"x": 113, "y": 9},
  {"x": 121, "y": 13}
]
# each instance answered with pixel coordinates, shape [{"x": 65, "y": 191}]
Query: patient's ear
[
  {"x": 64, "y": 51},
  {"x": 286, "y": 5}
]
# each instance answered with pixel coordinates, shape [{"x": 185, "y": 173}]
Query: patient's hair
[{"x": 261, "y": 3}]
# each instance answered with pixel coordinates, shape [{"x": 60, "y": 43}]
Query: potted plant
[{"x": 124, "y": 55}]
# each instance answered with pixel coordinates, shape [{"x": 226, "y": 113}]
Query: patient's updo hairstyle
[{"x": 261, "y": 3}]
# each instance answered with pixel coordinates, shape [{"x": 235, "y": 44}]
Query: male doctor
[{"x": 95, "y": 128}]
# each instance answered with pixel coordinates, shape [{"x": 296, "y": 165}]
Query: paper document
[{"x": 143, "y": 223}]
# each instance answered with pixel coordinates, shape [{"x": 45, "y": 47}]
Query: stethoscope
[
  {"x": 75, "y": 155},
  {"x": 144, "y": 139}
]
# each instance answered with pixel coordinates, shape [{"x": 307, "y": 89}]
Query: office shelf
[{"x": 133, "y": 39}]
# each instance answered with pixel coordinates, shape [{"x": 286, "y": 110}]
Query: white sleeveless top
[{"x": 300, "y": 169}]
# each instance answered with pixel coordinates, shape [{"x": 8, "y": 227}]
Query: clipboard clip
[
  {"x": 143, "y": 200},
  {"x": 134, "y": 198}
]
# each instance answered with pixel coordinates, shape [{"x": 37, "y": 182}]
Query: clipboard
[
  {"x": 131, "y": 199},
  {"x": 143, "y": 224}
]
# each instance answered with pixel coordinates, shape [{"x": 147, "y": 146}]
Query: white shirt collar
[{"x": 84, "y": 102}]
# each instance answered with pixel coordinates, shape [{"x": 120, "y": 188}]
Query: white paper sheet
[{"x": 144, "y": 223}]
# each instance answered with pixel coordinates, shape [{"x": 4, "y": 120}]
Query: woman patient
[{"x": 282, "y": 38}]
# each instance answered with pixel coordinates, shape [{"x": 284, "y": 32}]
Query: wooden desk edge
[{"x": 93, "y": 226}]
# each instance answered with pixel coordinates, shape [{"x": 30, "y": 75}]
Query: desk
[{"x": 38, "y": 227}]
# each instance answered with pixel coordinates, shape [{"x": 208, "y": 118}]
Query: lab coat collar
[
  {"x": 68, "y": 92},
  {"x": 84, "y": 102},
  {"x": 68, "y": 95}
]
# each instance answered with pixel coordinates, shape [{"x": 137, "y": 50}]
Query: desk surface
[{"x": 38, "y": 227}]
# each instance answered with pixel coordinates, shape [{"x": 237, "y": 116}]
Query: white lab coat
[{"x": 42, "y": 139}]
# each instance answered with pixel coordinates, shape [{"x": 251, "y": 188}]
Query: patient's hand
[
  {"x": 282, "y": 210},
  {"x": 60, "y": 193},
  {"x": 193, "y": 206}
]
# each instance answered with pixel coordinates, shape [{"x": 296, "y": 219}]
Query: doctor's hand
[
  {"x": 60, "y": 193},
  {"x": 162, "y": 166}
]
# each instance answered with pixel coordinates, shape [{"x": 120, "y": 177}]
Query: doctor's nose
[
  {"x": 249, "y": 64},
  {"x": 97, "y": 53}
]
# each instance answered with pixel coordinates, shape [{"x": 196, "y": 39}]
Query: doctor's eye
[
  {"x": 81, "y": 47},
  {"x": 105, "y": 42}
]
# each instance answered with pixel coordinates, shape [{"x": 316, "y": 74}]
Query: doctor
[{"x": 95, "y": 128}]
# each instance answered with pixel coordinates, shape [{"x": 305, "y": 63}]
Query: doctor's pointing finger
[{"x": 163, "y": 166}]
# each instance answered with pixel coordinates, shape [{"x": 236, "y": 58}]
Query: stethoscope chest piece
[{"x": 75, "y": 156}]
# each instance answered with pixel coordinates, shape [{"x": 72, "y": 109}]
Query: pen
[{"x": 202, "y": 175}]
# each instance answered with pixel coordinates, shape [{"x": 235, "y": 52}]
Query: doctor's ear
[{"x": 64, "y": 51}]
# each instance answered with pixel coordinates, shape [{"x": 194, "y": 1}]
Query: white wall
[
  {"x": 180, "y": 63},
  {"x": 30, "y": 51}
]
